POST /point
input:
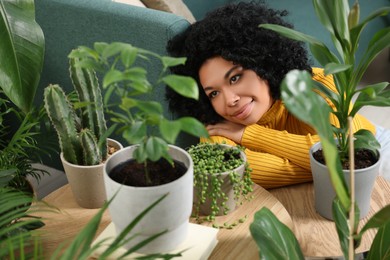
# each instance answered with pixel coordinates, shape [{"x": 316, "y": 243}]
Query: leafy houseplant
[
  {"x": 297, "y": 92},
  {"x": 345, "y": 29},
  {"x": 141, "y": 121},
  {"x": 82, "y": 133},
  {"x": 128, "y": 96},
  {"x": 221, "y": 179},
  {"x": 21, "y": 51}
]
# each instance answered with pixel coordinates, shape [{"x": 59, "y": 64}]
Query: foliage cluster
[
  {"x": 214, "y": 166},
  {"x": 129, "y": 96},
  {"x": 305, "y": 99}
]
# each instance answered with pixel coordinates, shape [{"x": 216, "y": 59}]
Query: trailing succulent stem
[
  {"x": 210, "y": 161},
  {"x": 79, "y": 137}
]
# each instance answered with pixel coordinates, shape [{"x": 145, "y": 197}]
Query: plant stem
[{"x": 352, "y": 190}]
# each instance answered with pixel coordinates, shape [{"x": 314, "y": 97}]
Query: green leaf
[
  {"x": 354, "y": 15},
  {"x": 379, "y": 42},
  {"x": 364, "y": 139},
  {"x": 112, "y": 76},
  {"x": 341, "y": 219},
  {"x": 172, "y": 61},
  {"x": 6, "y": 175},
  {"x": 193, "y": 127},
  {"x": 128, "y": 103},
  {"x": 99, "y": 47},
  {"x": 135, "y": 133},
  {"x": 156, "y": 148},
  {"x": 318, "y": 49},
  {"x": 128, "y": 56},
  {"x": 21, "y": 51},
  {"x": 379, "y": 219},
  {"x": 170, "y": 130},
  {"x": 333, "y": 68},
  {"x": 300, "y": 99},
  {"x": 112, "y": 49},
  {"x": 357, "y": 30},
  {"x": 274, "y": 239},
  {"x": 183, "y": 85},
  {"x": 140, "y": 153},
  {"x": 380, "y": 247},
  {"x": 150, "y": 107},
  {"x": 333, "y": 14}
]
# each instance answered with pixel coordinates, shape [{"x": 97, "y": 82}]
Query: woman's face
[{"x": 237, "y": 95}]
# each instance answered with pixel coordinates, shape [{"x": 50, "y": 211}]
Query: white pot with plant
[
  {"x": 142, "y": 123},
  {"x": 221, "y": 180},
  {"x": 82, "y": 133},
  {"x": 309, "y": 106}
]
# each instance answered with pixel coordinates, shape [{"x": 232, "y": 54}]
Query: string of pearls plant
[{"x": 211, "y": 165}]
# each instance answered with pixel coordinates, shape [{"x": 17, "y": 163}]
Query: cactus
[
  {"x": 88, "y": 90},
  {"x": 79, "y": 146},
  {"x": 91, "y": 153},
  {"x": 63, "y": 118}
]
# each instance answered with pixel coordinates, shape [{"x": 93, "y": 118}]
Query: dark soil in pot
[
  {"x": 161, "y": 172},
  {"x": 363, "y": 159}
]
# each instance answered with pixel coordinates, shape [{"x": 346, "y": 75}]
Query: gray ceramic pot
[{"x": 324, "y": 192}]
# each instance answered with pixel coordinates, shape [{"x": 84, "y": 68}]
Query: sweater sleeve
[
  {"x": 269, "y": 170},
  {"x": 292, "y": 147}
]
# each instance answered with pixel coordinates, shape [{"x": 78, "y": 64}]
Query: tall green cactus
[
  {"x": 88, "y": 90},
  {"x": 78, "y": 144},
  {"x": 63, "y": 118}
]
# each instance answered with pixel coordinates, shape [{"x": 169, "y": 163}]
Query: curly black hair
[{"x": 233, "y": 32}]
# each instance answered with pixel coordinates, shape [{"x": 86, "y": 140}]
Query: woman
[{"x": 239, "y": 68}]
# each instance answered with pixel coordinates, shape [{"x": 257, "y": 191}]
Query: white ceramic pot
[
  {"x": 324, "y": 192},
  {"x": 171, "y": 214},
  {"x": 87, "y": 182}
]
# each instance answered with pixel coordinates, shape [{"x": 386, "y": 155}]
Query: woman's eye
[
  {"x": 234, "y": 79},
  {"x": 213, "y": 94}
]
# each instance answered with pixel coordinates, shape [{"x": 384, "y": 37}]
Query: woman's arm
[
  {"x": 269, "y": 170},
  {"x": 282, "y": 144}
]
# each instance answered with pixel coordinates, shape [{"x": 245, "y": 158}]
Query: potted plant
[
  {"x": 298, "y": 95},
  {"x": 21, "y": 50},
  {"x": 334, "y": 15},
  {"x": 221, "y": 180},
  {"x": 82, "y": 134},
  {"x": 141, "y": 121}
]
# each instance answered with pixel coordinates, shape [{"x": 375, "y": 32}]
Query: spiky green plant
[{"x": 81, "y": 133}]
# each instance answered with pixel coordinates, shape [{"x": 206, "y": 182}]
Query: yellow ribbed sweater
[{"x": 277, "y": 147}]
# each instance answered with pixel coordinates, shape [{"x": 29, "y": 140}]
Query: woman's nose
[{"x": 232, "y": 99}]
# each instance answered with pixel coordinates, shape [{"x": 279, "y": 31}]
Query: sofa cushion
[
  {"x": 131, "y": 2},
  {"x": 177, "y": 7}
]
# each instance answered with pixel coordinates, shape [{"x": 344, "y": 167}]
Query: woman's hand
[{"x": 228, "y": 129}]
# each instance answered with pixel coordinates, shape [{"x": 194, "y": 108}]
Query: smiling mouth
[{"x": 244, "y": 112}]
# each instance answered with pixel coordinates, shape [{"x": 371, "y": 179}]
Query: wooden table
[
  {"x": 233, "y": 243},
  {"x": 317, "y": 236}
]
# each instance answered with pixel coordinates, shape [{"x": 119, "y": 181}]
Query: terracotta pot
[
  {"x": 171, "y": 214},
  {"x": 87, "y": 182},
  {"x": 324, "y": 192}
]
